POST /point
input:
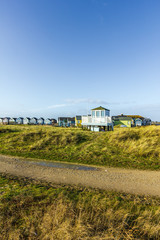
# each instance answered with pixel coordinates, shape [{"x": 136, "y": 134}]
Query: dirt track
[{"x": 129, "y": 181}]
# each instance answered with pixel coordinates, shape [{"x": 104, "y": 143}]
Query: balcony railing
[{"x": 96, "y": 120}]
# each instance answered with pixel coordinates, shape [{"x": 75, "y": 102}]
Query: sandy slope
[{"x": 129, "y": 181}]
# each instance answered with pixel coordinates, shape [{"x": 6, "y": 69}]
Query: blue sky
[{"x": 64, "y": 57}]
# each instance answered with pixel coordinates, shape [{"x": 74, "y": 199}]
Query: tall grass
[
  {"x": 130, "y": 148},
  {"x": 34, "y": 210}
]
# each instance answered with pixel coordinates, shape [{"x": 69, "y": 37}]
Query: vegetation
[
  {"x": 129, "y": 147},
  {"x": 34, "y": 210}
]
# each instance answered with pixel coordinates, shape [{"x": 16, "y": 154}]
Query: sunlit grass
[
  {"x": 129, "y": 148},
  {"x": 35, "y": 210}
]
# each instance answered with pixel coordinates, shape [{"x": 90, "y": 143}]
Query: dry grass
[
  {"x": 34, "y": 210},
  {"x": 139, "y": 141},
  {"x": 142, "y": 144},
  {"x": 130, "y": 148}
]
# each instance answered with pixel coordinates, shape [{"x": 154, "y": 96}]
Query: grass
[
  {"x": 130, "y": 148},
  {"x": 35, "y": 210}
]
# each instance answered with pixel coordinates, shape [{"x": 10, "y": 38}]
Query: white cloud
[
  {"x": 78, "y": 101},
  {"x": 71, "y": 102},
  {"x": 57, "y": 106},
  {"x": 86, "y": 100}
]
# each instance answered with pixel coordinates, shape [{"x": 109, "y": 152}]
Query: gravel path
[{"x": 129, "y": 181}]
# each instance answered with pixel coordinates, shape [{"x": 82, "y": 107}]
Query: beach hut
[
  {"x": 40, "y": 121},
  {"x": 99, "y": 120},
  {"x": 48, "y": 121},
  {"x": 66, "y": 121},
  {"x": 54, "y": 121},
  {"x": 19, "y": 120},
  {"x": 1, "y": 120},
  {"x": 12, "y": 121},
  {"x": 33, "y": 121},
  {"x": 26, "y": 120},
  {"x": 6, "y": 120},
  {"x": 78, "y": 121},
  {"x": 138, "y": 122}
]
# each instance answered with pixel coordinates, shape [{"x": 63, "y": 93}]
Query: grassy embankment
[
  {"x": 130, "y": 148},
  {"x": 34, "y": 210}
]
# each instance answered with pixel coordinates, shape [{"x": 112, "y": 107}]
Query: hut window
[
  {"x": 102, "y": 113},
  {"x": 93, "y": 113},
  {"x": 97, "y": 113}
]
